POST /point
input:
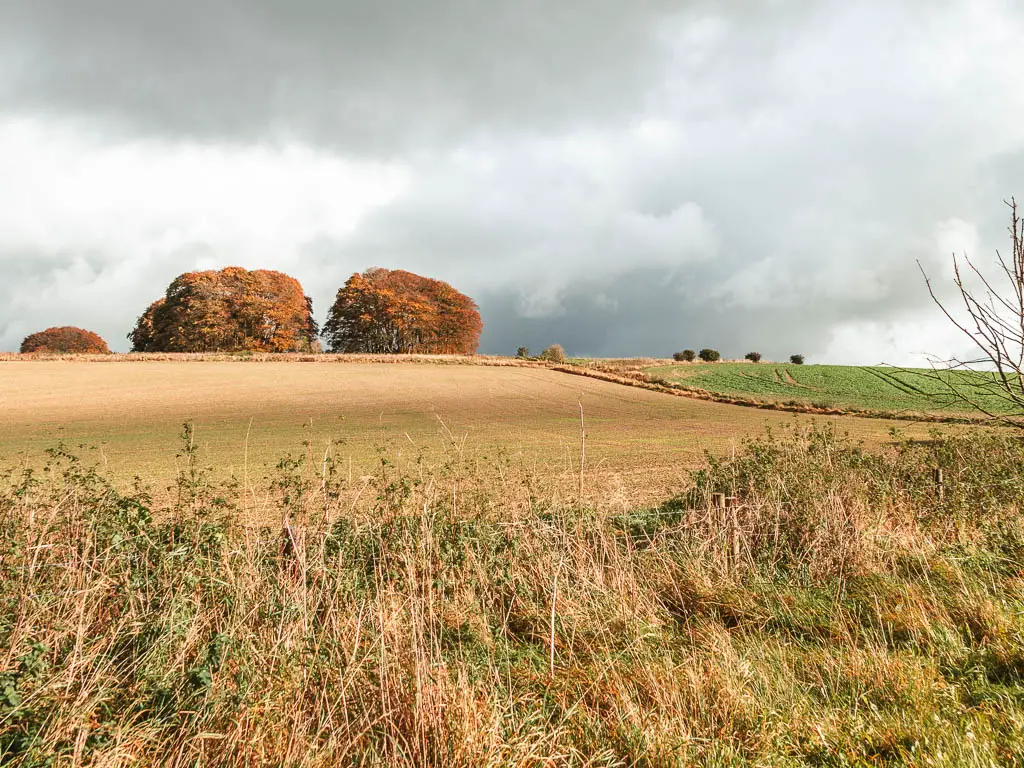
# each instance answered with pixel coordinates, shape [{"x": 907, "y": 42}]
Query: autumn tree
[
  {"x": 65, "y": 339},
  {"x": 230, "y": 310},
  {"x": 385, "y": 311}
]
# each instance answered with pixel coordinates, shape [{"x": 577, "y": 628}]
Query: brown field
[{"x": 247, "y": 415}]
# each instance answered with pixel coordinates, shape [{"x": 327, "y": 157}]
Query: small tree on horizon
[
  {"x": 66, "y": 339},
  {"x": 796, "y": 359},
  {"x": 523, "y": 352},
  {"x": 710, "y": 355},
  {"x": 553, "y": 354},
  {"x": 754, "y": 357},
  {"x": 686, "y": 356}
]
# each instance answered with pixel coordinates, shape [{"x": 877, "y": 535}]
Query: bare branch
[{"x": 993, "y": 320}]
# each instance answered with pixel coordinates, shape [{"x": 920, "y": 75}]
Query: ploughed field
[
  {"x": 874, "y": 388},
  {"x": 127, "y": 417}
]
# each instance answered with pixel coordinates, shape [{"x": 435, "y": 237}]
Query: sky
[{"x": 626, "y": 179}]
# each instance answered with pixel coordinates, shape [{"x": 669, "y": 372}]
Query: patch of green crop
[{"x": 878, "y": 388}]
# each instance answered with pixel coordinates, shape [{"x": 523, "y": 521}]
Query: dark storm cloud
[
  {"x": 650, "y": 312},
  {"x": 371, "y": 76}
]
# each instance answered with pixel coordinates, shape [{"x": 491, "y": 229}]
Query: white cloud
[
  {"x": 67, "y": 191},
  {"x": 909, "y": 342}
]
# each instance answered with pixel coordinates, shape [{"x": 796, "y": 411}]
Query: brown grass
[{"x": 838, "y": 617}]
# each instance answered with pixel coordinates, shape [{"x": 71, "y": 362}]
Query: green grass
[{"x": 875, "y": 388}]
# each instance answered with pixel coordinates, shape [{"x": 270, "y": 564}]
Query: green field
[{"x": 875, "y": 388}]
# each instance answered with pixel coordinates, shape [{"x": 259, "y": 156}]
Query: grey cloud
[{"x": 384, "y": 75}]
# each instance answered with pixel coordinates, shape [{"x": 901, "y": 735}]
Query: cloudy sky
[{"x": 625, "y": 178}]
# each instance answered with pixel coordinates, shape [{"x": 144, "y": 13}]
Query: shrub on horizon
[
  {"x": 754, "y": 357},
  {"x": 66, "y": 339},
  {"x": 796, "y": 359},
  {"x": 710, "y": 355},
  {"x": 686, "y": 356},
  {"x": 523, "y": 352},
  {"x": 553, "y": 354}
]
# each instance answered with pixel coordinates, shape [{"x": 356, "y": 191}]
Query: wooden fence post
[
  {"x": 940, "y": 486},
  {"x": 732, "y": 504}
]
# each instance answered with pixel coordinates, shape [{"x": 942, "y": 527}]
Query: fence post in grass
[
  {"x": 718, "y": 504},
  {"x": 583, "y": 451},
  {"x": 731, "y": 504},
  {"x": 940, "y": 486}
]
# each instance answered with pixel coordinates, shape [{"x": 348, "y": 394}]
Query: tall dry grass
[{"x": 833, "y": 613}]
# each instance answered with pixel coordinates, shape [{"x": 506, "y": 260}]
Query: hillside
[{"x": 640, "y": 444}]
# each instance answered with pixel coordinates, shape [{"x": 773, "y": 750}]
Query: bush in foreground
[
  {"x": 709, "y": 355},
  {"x": 65, "y": 340},
  {"x": 834, "y": 613}
]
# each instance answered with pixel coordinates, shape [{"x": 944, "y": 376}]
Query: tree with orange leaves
[
  {"x": 65, "y": 339},
  {"x": 230, "y": 310},
  {"x": 393, "y": 311}
]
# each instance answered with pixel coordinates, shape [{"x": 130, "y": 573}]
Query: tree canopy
[
  {"x": 230, "y": 310},
  {"x": 65, "y": 339},
  {"x": 393, "y": 311}
]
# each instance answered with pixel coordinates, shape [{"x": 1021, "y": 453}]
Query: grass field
[
  {"x": 247, "y": 415},
  {"x": 874, "y": 388}
]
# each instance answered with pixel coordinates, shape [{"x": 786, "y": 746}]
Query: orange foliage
[
  {"x": 64, "y": 340},
  {"x": 393, "y": 311},
  {"x": 230, "y": 310}
]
